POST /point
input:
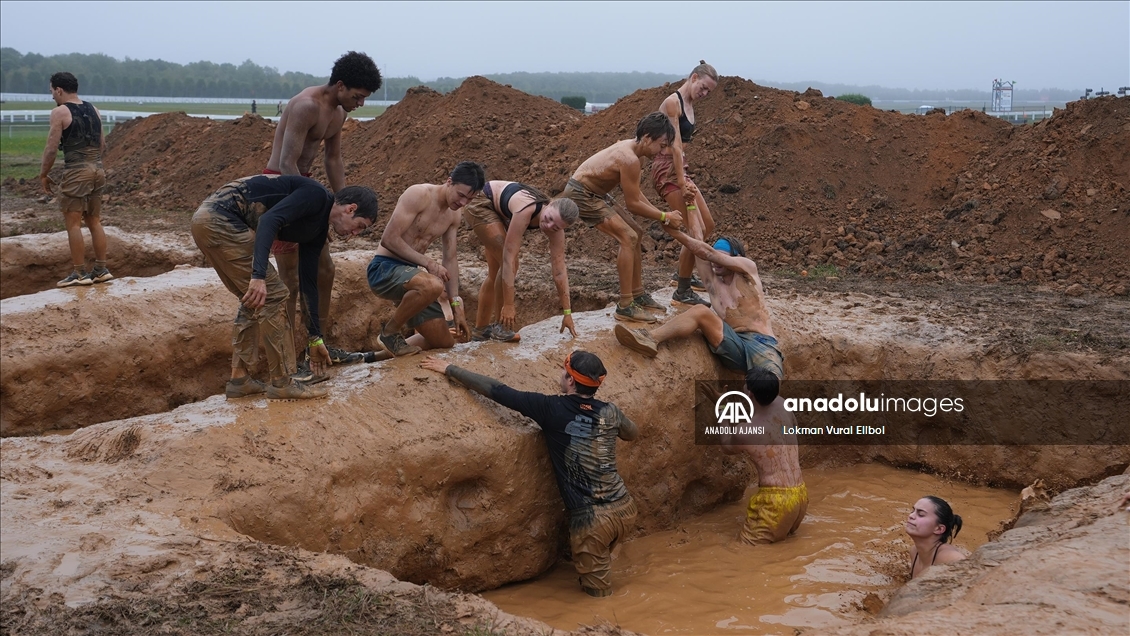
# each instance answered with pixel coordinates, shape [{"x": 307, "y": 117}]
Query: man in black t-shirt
[
  {"x": 581, "y": 433},
  {"x": 235, "y": 227}
]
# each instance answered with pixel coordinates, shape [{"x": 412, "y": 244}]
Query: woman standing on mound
[
  {"x": 931, "y": 525},
  {"x": 500, "y": 216},
  {"x": 669, "y": 174}
]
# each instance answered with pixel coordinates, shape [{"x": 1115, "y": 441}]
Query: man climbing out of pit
[
  {"x": 781, "y": 501},
  {"x": 76, "y": 129},
  {"x": 500, "y": 218},
  {"x": 736, "y": 326},
  {"x": 581, "y": 433},
  {"x": 589, "y": 188},
  {"x": 235, "y": 227},
  {"x": 314, "y": 117},
  {"x": 423, "y": 213}
]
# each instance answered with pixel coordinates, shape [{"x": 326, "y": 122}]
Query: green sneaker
[
  {"x": 633, "y": 312},
  {"x": 647, "y": 302},
  {"x": 76, "y": 278}
]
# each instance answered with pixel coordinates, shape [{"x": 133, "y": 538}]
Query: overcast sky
[{"x": 927, "y": 45}]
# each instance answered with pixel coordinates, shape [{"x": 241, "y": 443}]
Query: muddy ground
[{"x": 893, "y": 246}]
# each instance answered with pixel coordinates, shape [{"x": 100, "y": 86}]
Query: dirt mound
[
  {"x": 422, "y": 137},
  {"x": 175, "y": 161},
  {"x": 1052, "y": 204}
]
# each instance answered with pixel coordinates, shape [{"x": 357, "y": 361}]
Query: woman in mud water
[
  {"x": 931, "y": 525},
  {"x": 500, "y": 215},
  {"x": 669, "y": 173}
]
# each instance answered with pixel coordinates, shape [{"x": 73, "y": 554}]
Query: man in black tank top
[{"x": 76, "y": 129}]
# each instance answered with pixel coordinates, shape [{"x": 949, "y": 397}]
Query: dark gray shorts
[{"x": 387, "y": 278}]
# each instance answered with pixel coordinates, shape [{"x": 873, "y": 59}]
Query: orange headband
[{"x": 579, "y": 377}]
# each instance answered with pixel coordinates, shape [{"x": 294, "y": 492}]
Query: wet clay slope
[
  {"x": 1062, "y": 569},
  {"x": 35, "y": 262},
  {"x": 119, "y": 559},
  {"x": 396, "y": 469}
]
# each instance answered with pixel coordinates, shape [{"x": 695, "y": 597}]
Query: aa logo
[{"x": 733, "y": 408}]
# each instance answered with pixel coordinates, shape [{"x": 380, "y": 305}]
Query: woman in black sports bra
[
  {"x": 669, "y": 173},
  {"x": 499, "y": 216},
  {"x": 931, "y": 525}
]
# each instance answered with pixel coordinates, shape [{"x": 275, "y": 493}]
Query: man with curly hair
[{"x": 314, "y": 118}]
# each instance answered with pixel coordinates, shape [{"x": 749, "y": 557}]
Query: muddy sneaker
[
  {"x": 100, "y": 275},
  {"x": 244, "y": 387},
  {"x": 696, "y": 282},
  {"x": 76, "y": 278},
  {"x": 688, "y": 298},
  {"x": 498, "y": 333},
  {"x": 633, "y": 312},
  {"x": 638, "y": 340},
  {"x": 396, "y": 344},
  {"x": 647, "y": 302},
  {"x": 340, "y": 356},
  {"x": 481, "y": 335},
  {"x": 304, "y": 374},
  {"x": 295, "y": 391}
]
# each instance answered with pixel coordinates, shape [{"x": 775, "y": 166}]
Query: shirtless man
[
  {"x": 589, "y": 188},
  {"x": 423, "y": 213},
  {"x": 736, "y": 326},
  {"x": 500, "y": 218},
  {"x": 777, "y": 508},
  {"x": 313, "y": 118}
]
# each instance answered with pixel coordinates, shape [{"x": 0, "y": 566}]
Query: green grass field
[
  {"x": 265, "y": 109},
  {"x": 21, "y": 150}
]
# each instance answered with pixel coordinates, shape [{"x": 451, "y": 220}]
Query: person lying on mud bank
[
  {"x": 235, "y": 228},
  {"x": 500, "y": 217},
  {"x": 313, "y": 118},
  {"x": 736, "y": 326},
  {"x": 669, "y": 174},
  {"x": 931, "y": 525},
  {"x": 781, "y": 501},
  {"x": 423, "y": 213},
  {"x": 589, "y": 188},
  {"x": 581, "y": 433}
]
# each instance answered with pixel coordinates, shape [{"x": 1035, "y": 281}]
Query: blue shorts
[
  {"x": 387, "y": 278},
  {"x": 746, "y": 350}
]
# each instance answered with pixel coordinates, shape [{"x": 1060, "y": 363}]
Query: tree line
[{"x": 100, "y": 74}]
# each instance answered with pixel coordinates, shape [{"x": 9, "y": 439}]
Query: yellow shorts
[{"x": 774, "y": 513}]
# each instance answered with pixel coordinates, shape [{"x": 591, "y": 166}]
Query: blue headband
[{"x": 722, "y": 245}]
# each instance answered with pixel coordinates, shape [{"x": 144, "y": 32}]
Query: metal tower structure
[{"x": 1002, "y": 96}]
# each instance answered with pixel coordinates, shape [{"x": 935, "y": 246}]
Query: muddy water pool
[{"x": 699, "y": 579}]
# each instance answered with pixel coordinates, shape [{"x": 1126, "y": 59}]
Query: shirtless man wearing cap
[{"x": 736, "y": 326}]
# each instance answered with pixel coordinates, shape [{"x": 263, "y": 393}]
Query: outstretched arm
[
  {"x": 561, "y": 279},
  {"x": 510, "y": 247},
  {"x": 638, "y": 204},
  {"x": 532, "y": 405}
]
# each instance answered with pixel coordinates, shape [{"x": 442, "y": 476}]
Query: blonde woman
[{"x": 669, "y": 174}]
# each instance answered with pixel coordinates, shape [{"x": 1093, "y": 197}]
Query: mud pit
[{"x": 280, "y": 505}]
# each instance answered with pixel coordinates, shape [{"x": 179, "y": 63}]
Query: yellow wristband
[
  {"x": 455, "y": 303},
  {"x": 567, "y": 312},
  {"x": 316, "y": 342},
  {"x": 663, "y": 217}
]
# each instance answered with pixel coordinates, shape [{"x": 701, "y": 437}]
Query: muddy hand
[
  {"x": 256, "y": 294},
  {"x": 709, "y": 391},
  {"x": 47, "y": 183},
  {"x": 675, "y": 220},
  {"x": 462, "y": 331},
  {"x": 319, "y": 359},
  {"x": 433, "y": 363},
  {"x": 567, "y": 323},
  {"x": 437, "y": 270}
]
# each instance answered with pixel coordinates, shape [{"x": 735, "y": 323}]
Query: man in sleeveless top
[
  {"x": 76, "y": 129},
  {"x": 311, "y": 119}
]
